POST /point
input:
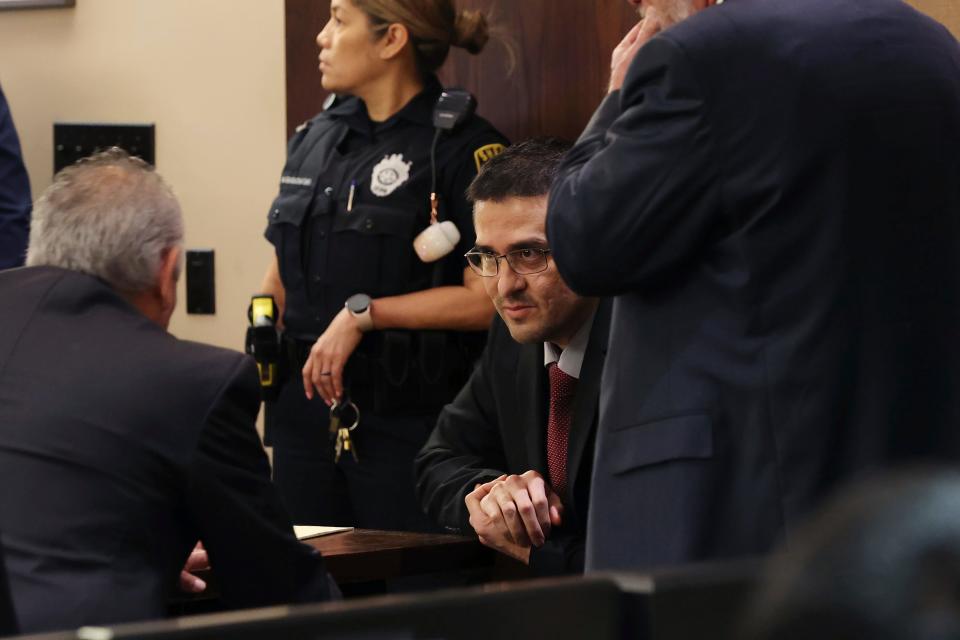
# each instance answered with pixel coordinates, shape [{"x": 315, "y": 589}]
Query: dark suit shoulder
[
  {"x": 223, "y": 359},
  {"x": 194, "y": 378},
  {"x": 226, "y": 367},
  {"x": 29, "y": 278},
  {"x": 29, "y": 287},
  {"x": 799, "y": 32},
  {"x": 502, "y": 350},
  {"x": 102, "y": 342}
]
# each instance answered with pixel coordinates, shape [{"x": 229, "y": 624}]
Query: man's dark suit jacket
[
  {"x": 497, "y": 424},
  {"x": 120, "y": 447},
  {"x": 15, "y": 200},
  {"x": 774, "y": 197},
  {"x": 8, "y": 619}
]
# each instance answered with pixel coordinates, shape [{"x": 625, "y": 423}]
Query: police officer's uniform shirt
[{"x": 327, "y": 253}]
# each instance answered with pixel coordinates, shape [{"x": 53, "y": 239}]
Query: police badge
[{"x": 388, "y": 174}]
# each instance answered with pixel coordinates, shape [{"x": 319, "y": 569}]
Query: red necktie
[{"x": 562, "y": 388}]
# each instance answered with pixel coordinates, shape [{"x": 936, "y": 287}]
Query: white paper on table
[{"x": 304, "y": 531}]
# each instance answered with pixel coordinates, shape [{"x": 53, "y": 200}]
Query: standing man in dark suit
[
  {"x": 510, "y": 457},
  {"x": 120, "y": 445},
  {"x": 14, "y": 193},
  {"x": 774, "y": 197}
]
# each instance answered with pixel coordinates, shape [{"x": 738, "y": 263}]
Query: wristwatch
[{"x": 359, "y": 305}]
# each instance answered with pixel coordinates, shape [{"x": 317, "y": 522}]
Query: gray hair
[{"x": 110, "y": 216}]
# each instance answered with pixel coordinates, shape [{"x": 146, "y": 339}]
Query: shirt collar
[
  {"x": 418, "y": 110},
  {"x": 343, "y": 106},
  {"x": 570, "y": 360}
]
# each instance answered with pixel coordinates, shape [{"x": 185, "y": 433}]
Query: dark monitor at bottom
[{"x": 673, "y": 605}]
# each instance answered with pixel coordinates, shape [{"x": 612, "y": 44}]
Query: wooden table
[
  {"x": 365, "y": 555},
  {"x": 366, "y": 562}
]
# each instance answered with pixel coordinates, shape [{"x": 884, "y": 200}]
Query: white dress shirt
[{"x": 570, "y": 360}]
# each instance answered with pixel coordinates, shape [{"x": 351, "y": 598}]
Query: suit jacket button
[{"x": 328, "y": 191}]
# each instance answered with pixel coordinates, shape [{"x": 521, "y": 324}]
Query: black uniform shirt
[{"x": 328, "y": 251}]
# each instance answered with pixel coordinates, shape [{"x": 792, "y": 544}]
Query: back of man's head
[
  {"x": 110, "y": 216},
  {"x": 881, "y": 561},
  {"x": 523, "y": 170}
]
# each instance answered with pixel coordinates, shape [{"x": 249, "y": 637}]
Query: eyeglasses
[{"x": 522, "y": 261}]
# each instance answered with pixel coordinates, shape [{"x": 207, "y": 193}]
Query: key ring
[{"x": 356, "y": 412}]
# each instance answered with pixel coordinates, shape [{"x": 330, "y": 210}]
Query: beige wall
[
  {"x": 209, "y": 73},
  {"x": 946, "y": 11}
]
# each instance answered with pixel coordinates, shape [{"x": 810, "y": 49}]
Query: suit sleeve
[
  {"x": 636, "y": 197},
  {"x": 465, "y": 448},
  {"x": 239, "y": 516},
  {"x": 15, "y": 200}
]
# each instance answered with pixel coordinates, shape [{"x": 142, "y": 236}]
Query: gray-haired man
[{"x": 120, "y": 445}]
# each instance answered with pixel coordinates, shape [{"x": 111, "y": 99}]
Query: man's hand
[
  {"x": 493, "y": 532},
  {"x": 513, "y": 513},
  {"x": 197, "y": 561},
  {"x": 328, "y": 356},
  {"x": 626, "y": 51}
]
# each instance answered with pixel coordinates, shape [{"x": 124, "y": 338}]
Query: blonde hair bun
[{"x": 471, "y": 31}]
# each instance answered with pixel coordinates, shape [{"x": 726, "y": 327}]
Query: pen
[{"x": 353, "y": 189}]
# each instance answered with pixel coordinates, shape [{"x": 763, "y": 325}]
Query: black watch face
[{"x": 358, "y": 303}]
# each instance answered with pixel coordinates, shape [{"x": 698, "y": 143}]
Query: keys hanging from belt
[{"x": 342, "y": 413}]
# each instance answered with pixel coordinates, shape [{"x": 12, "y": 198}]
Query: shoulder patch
[{"x": 486, "y": 153}]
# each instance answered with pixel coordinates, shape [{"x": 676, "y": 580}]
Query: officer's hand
[
  {"x": 323, "y": 371},
  {"x": 627, "y": 50}
]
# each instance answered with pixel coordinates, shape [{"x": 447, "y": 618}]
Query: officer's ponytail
[
  {"x": 471, "y": 31},
  {"x": 434, "y": 26}
]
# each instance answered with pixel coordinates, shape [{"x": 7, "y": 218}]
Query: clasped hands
[{"x": 514, "y": 513}]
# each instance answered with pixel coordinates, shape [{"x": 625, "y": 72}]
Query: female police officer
[{"x": 366, "y": 320}]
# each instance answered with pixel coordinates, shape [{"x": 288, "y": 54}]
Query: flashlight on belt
[{"x": 263, "y": 343}]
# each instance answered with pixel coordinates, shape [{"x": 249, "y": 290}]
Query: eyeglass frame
[{"x": 506, "y": 256}]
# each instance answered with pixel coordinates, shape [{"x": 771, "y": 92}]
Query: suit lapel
[
  {"x": 588, "y": 393},
  {"x": 532, "y": 401}
]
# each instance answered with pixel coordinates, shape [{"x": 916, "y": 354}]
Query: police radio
[
  {"x": 263, "y": 343},
  {"x": 453, "y": 108}
]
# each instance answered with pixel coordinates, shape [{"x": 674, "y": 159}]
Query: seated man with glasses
[{"x": 511, "y": 456}]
